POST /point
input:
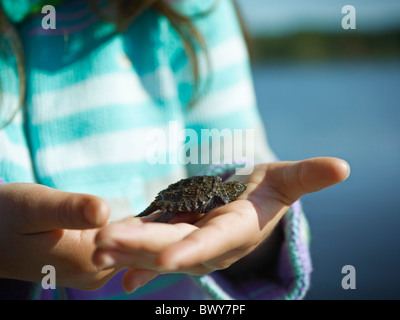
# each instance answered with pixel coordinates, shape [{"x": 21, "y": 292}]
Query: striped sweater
[{"x": 94, "y": 95}]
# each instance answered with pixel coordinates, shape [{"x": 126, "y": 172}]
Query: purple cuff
[{"x": 2, "y": 181}]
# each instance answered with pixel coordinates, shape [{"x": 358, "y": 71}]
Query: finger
[
  {"x": 132, "y": 243},
  {"x": 182, "y": 217},
  {"x": 147, "y": 237},
  {"x": 221, "y": 234},
  {"x": 134, "y": 278},
  {"x": 38, "y": 208},
  {"x": 110, "y": 259},
  {"x": 107, "y": 259},
  {"x": 292, "y": 180}
]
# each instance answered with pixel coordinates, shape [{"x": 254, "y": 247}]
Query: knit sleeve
[
  {"x": 17, "y": 11},
  {"x": 225, "y": 117},
  {"x": 15, "y": 157},
  {"x": 227, "y": 121},
  {"x": 15, "y": 161}
]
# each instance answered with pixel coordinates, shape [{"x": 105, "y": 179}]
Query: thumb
[
  {"x": 36, "y": 208},
  {"x": 292, "y": 180}
]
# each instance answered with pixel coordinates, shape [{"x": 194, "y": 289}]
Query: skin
[
  {"x": 41, "y": 226},
  {"x": 70, "y": 231}
]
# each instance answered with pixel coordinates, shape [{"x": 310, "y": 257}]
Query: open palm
[{"x": 194, "y": 245}]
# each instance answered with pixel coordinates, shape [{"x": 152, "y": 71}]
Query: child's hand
[
  {"x": 36, "y": 229},
  {"x": 224, "y": 235}
]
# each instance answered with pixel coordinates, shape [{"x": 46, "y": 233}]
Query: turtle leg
[
  {"x": 209, "y": 204},
  {"x": 150, "y": 209},
  {"x": 165, "y": 216},
  {"x": 223, "y": 196}
]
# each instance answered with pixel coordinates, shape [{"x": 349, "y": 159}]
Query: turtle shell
[{"x": 196, "y": 194}]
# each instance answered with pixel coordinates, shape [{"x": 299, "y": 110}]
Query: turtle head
[{"x": 234, "y": 189}]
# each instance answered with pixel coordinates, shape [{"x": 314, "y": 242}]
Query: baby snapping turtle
[{"x": 198, "y": 194}]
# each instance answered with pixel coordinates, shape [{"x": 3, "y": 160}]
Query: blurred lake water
[{"x": 351, "y": 110}]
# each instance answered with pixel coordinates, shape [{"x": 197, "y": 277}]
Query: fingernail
[
  {"x": 91, "y": 214},
  {"x": 170, "y": 266},
  {"x": 135, "y": 287},
  {"x": 108, "y": 262},
  {"x": 168, "y": 263},
  {"x": 106, "y": 244},
  {"x": 129, "y": 291},
  {"x": 345, "y": 168},
  {"x": 94, "y": 211}
]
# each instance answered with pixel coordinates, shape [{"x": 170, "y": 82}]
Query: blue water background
[
  {"x": 351, "y": 110},
  {"x": 291, "y": 16}
]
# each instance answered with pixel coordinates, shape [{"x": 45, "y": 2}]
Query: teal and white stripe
[{"x": 93, "y": 96}]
